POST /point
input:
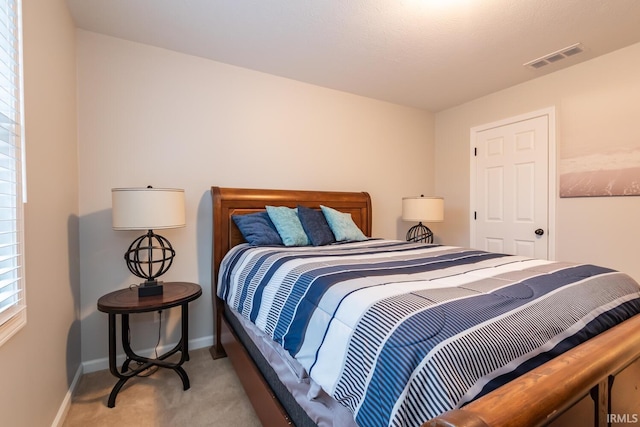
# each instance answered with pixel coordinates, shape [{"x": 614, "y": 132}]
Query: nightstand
[{"x": 125, "y": 302}]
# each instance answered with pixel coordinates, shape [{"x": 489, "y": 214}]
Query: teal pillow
[
  {"x": 288, "y": 225},
  {"x": 342, "y": 225}
]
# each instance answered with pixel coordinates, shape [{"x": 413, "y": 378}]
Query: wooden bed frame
[{"x": 535, "y": 398}]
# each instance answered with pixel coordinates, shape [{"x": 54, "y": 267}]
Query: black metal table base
[{"x": 144, "y": 363}]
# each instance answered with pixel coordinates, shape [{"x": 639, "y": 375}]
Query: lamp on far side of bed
[
  {"x": 422, "y": 209},
  {"x": 150, "y": 255}
]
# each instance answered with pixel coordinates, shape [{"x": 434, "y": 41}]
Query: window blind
[{"x": 12, "y": 291}]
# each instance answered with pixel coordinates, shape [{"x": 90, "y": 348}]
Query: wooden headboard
[{"x": 241, "y": 201}]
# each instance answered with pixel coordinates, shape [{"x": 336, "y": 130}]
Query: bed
[{"x": 533, "y": 398}]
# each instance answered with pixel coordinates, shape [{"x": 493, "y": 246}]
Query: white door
[{"x": 510, "y": 210}]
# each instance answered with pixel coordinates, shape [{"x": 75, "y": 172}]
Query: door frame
[{"x": 550, "y": 112}]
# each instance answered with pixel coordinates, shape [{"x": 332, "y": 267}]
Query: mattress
[
  {"x": 319, "y": 408},
  {"x": 399, "y": 332}
]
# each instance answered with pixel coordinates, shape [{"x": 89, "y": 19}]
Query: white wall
[
  {"x": 40, "y": 362},
  {"x": 149, "y": 116},
  {"x": 589, "y": 98}
]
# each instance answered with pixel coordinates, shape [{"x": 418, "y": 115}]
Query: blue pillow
[
  {"x": 342, "y": 225},
  {"x": 257, "y": 229},
  {"x": 316, "y": 226},
  {"x": 288, "y": 225}
]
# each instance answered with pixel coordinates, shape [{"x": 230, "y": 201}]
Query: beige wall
[
  {"x": 596, "y": 230},
  {"x": 588, "y": 99},
  {"x": 41, "y": 360},
  {"x": 149, "y": 116}
]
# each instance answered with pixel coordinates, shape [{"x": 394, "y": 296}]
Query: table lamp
[
  {"x": 150, "y": 255},
  {"x": 427, "y": 209}
]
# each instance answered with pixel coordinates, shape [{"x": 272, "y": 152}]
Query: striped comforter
[{"x": 401, "y": 332}]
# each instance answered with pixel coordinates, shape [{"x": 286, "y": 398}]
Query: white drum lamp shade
[
  {"x": 147, "y": 208},
  {"x": 150, "y": 255},
  {"x": 422, "y": 209}
]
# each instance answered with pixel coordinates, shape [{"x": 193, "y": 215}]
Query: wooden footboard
[
  {"x": 534, "y": 399},
  {"x": 539, "y": 396}
]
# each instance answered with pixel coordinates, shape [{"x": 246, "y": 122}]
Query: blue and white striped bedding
[{"x": 400, "y": 332}]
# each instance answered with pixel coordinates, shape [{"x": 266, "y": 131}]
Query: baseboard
[
  {"x": 66, "y": 402},
  {"x": 103, "y": 363}
]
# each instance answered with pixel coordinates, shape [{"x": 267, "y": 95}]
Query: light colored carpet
[{"x": 216, "y": 398}]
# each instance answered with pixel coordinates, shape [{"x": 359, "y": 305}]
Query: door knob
[{"x": 539, "y": 232}]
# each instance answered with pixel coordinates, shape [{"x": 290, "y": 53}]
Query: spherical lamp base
[
  {"x": 420, "y": 233},
  {"x": 149, "y": 257}
]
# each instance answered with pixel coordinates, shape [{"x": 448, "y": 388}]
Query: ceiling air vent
[{"x": 555, "y": 56}]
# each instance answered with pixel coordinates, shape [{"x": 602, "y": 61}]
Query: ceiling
[{"x": 430, "y": 54}]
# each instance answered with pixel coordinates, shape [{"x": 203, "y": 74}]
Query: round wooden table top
[{"x": 127, "y": 300}]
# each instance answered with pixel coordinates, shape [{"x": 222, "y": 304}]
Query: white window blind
[{"x": 12, "y": 293}]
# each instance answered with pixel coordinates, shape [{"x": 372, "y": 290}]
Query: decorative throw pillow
[
  {"x": 257, "y": 229},
  {"x": 316, "y": 226},
  {"x": 288, "y": 225},
  {"x": 342, "y": 225}
]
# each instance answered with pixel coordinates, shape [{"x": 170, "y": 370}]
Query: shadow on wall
[
  {"x": 74, "y": 350},
  {"x": 204, "y": 237}
]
